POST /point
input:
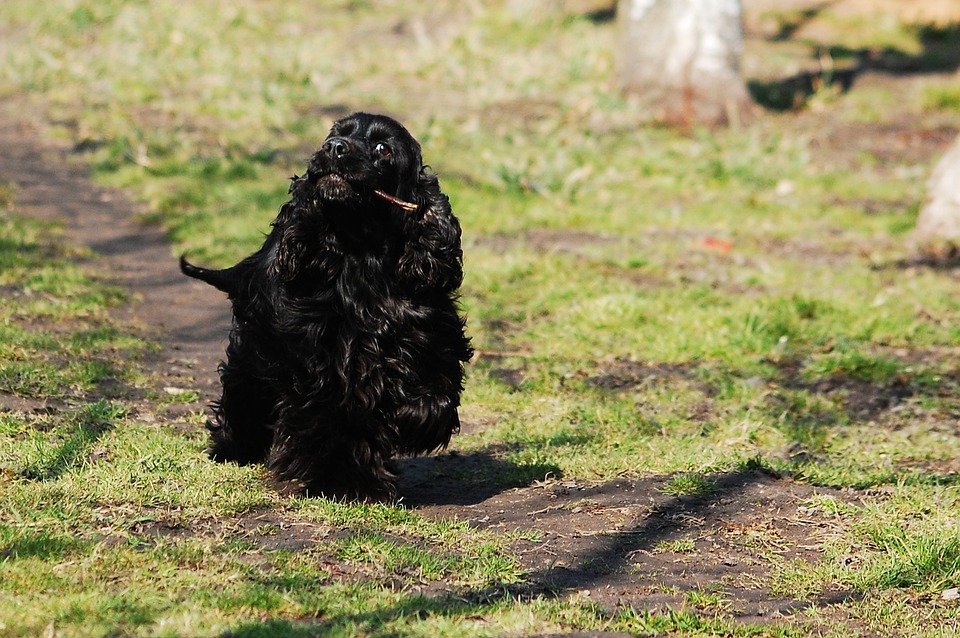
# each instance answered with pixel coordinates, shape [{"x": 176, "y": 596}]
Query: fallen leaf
[{"x": 720, "y": 245}]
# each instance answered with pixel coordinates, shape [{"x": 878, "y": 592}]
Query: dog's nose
[{"x": 335, "y": 147}]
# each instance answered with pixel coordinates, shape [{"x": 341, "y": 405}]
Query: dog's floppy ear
[
  {"x": 286, "y": 240},
  {"x": 432, "y": 257}
]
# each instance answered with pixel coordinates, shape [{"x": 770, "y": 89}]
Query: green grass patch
[
  {"x": 688, "y": 485},
  {"x": 55, "y": 337}
]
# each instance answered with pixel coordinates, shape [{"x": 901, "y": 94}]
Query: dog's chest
[
  {"x": 353, "y": 297},
  {"x": 352, "y": 333}
]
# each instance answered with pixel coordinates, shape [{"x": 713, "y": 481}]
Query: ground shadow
[
  {"x": 839, "y": 66},
  {"x": 42, "y": 545},
  {"x": 601, "y": 14},
  {"x": 455, "y": 478},
  {"x": 947, "y": 261},
  {"x": 663, "y": 522},
  {"x": 75, "y": 446}
]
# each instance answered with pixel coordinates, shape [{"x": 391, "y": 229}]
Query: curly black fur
[{"x": 347, "y": 347}]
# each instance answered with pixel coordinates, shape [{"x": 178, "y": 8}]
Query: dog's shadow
[{"x": 457, "y": 478}]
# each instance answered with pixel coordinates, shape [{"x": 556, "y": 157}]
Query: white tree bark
[
  {"x": 938, "y": 226},
  {"x": 682, "y": 57}
]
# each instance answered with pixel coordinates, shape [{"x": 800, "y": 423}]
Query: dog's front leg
[
  {"x": 334, "y": 455},
  {"x": 242, "y": 427}
]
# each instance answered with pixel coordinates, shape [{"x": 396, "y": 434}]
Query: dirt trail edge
[
  {"x": 185, "y": 317},
  {"x": 622, "y": 543}
]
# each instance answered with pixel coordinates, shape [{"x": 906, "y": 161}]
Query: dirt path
[
  {"x": 182, "y": 315},
  {"x": 621, "y": 543}
]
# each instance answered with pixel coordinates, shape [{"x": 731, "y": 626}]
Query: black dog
[{"x": 347, "y": 347}]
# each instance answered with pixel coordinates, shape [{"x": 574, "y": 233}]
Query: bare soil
[{"x": 629, "y": 543}]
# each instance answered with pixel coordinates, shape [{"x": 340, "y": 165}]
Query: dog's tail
[{"x": 224, "y": 280}]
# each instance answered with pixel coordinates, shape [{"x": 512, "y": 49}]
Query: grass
[
  {"x": 645, "y": 301},
  {"x": 54, "y": 339},
  {"x": 688, "y": 485}
]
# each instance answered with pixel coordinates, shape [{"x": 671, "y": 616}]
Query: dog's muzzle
[{"x": 334, "y": 187}]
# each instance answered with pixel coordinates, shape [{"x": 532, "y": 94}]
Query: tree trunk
[
  {"x": 938, "y": 226},
  {"x": 682, "y": 57}
]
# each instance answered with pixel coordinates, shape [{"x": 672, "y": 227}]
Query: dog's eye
[{"x": 382, "y": 150}]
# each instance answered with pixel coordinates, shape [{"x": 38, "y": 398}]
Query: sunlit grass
[
  {"x": 54, "y": 336},
  {"x": 644, "y": 301}
]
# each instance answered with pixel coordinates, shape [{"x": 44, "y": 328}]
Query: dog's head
[
  {"x": 364, "y": 154},
  {"x": 369, "y": 182}
]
